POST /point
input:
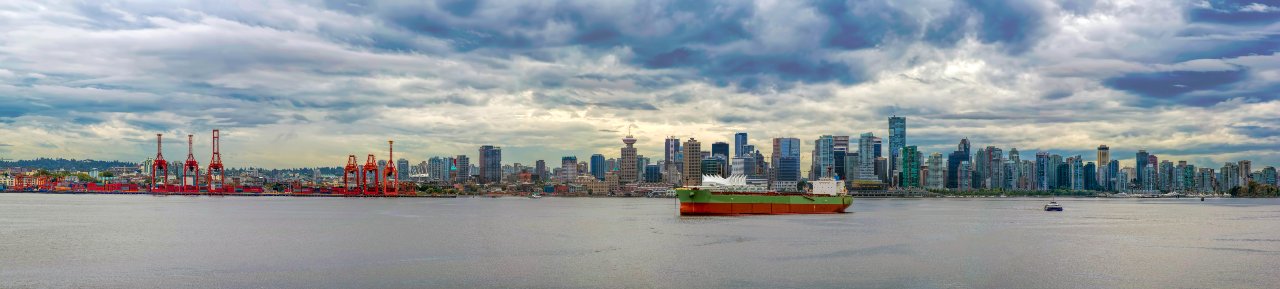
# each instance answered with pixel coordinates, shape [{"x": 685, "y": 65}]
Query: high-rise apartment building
[
  {"x": 628, "y": 173},
  {"x": 785, "y": 175},
  {"x": 910, "y": 167},
  {"x": 692, "y": 163},
  {"x": 739, "y": 143},
  {"x": 568, "y": 169},
  {"x": 897, "y": 140},
  {"x": 598, "y": 166}
]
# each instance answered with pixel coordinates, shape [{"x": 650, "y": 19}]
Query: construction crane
[
  {"x": 191, "y": 170},
  {"x": 351, "y": 170},
  {"x": 215, "y": 167},
  {"x": 368, "y": 186},
  {"x": 390, "y": 178},
  {"x": 159, "y": 165}
]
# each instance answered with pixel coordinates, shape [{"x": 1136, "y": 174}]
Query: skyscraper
[
  {"x": 1141, "y": 164},
  {"x": 652, "y": 174},
  {"x": 953, "y": 163},
  {"x": 628, "y": 171},
  {"x": 720, "y": 149},
  {"x": 739, "y": 141},
  {"x": 1042, "y": 171},
  {"x": 462, "y": 168},
  {"x": 568, "y": 168},
  {"x": 897, "y": 140},
  {"x": 1104, "y": 158},
  {"x": 402, "y": 169},
  {"x": 598, "y": 166},
  {"x": 692, "y": 163},
  {"x": 866, "y": 157},
  {"x": 823, "y": 158},
  {"x": 786, "y": 163},
  {"x": 672, "y": 161},
  {"x": 490, "y": 164},
  {"x": 540, "y": 169},
  {"x": 937, "y": 172},
  {"x": 910, "y": 167}
]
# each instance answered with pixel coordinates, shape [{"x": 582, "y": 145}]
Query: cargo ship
[{"x": 732, "y": 196}]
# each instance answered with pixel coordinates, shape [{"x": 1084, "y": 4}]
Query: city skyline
[{"x": 1185, "y": 81}]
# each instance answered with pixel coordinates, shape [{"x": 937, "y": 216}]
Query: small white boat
[
  {"x": 1053, "y": 206},
  {"x": 535, "y": 196}
]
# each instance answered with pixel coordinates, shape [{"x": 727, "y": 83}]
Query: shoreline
[{"x": 517, "y": 196}]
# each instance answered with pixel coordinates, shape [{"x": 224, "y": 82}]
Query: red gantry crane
[
  {"x": 215, "y": 165},
  {"x": 191, "y": 171},
  {"x": 351, "y": 170},
  {"x": 390, "y": 179},
  {"x": 159, "y": 166},
  {"x": 367, "y": 186}
]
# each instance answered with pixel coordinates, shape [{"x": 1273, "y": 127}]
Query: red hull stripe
[{"x": 740, "y": 208}]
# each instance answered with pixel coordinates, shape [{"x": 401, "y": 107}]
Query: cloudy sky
[{"x": 305, "y": 83}]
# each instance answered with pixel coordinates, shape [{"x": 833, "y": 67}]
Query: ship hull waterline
[{"x": 701, "y": 202}]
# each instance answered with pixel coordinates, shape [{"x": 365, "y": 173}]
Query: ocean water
[{"x": 109, "y": 241}]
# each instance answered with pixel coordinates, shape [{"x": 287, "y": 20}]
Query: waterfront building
[
  {"x": 652, "y": 173},
  {"x": 1091, "y": 177},
  {"x": 937, "y": 172},
  {"x": 402, "y": 169},
  {"x": 739, "y": 143},
  {"x": 1246, "y": 168},
  {"x": 1104, "y": 158},
  {"x": 785, "y": 175},
  {"x": 981, "y": 163},
  {"x": 910, "y": 166},
  {"x": 540, "y": 171},
  {"x": 1042, "y": 171},
  {"x": 1166, "y": 176},
  {"x": 866, "y": 158},
  {"x": 1141, "y": 159},
  {"x": 1206, "y": 180},
  {"x": 490, "y": 164},
  {"x": 964, "y": 176},
  {"x": 852, "y": 165},
  {"x": 1123, "y": 178},
  {"x": 598, "y": 166},
  {"x": 438, "y": 168},
  {"x": 1269, "y": 176},
  {"x": 897, "y": 140},
  {"x": 461, "y": 168},
  {"x": 692, "y": 163},
  {"x": 823, "y": 158},
  {"x": 568, "y": 168},
  {"x": 1189, "y": 177},
  {"x": 673, "y": 162},
  {"x": 720, "y": 149},
  {"x": 628, "y": 171},
  {"x": 1076, "y": 169},
  {"x": 839, "y": 150},
  {"x": 1179, "y": 182},
  {"x": 953, "y": 163},
  {"x": 1113, "y": 175},
  {"x": 1229, "y": 177}
]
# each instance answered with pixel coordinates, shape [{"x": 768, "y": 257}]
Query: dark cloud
[
  {"x": 1166, "y": 85},
  {"x": 1235, "y": 12},
  {"x": 1254, "y": 131},
  {"x": 1214, "y": 48},
  {"x": 864, "y": 24},
  {"x": 1016, "y": 23}
]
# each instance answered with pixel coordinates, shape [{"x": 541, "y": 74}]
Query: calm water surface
[{"x": 87, "y": 241}]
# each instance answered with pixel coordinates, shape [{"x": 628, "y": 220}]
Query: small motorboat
[
  {"x": 535, "y": 196},
  {"x": 1053, "y": 206}
]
